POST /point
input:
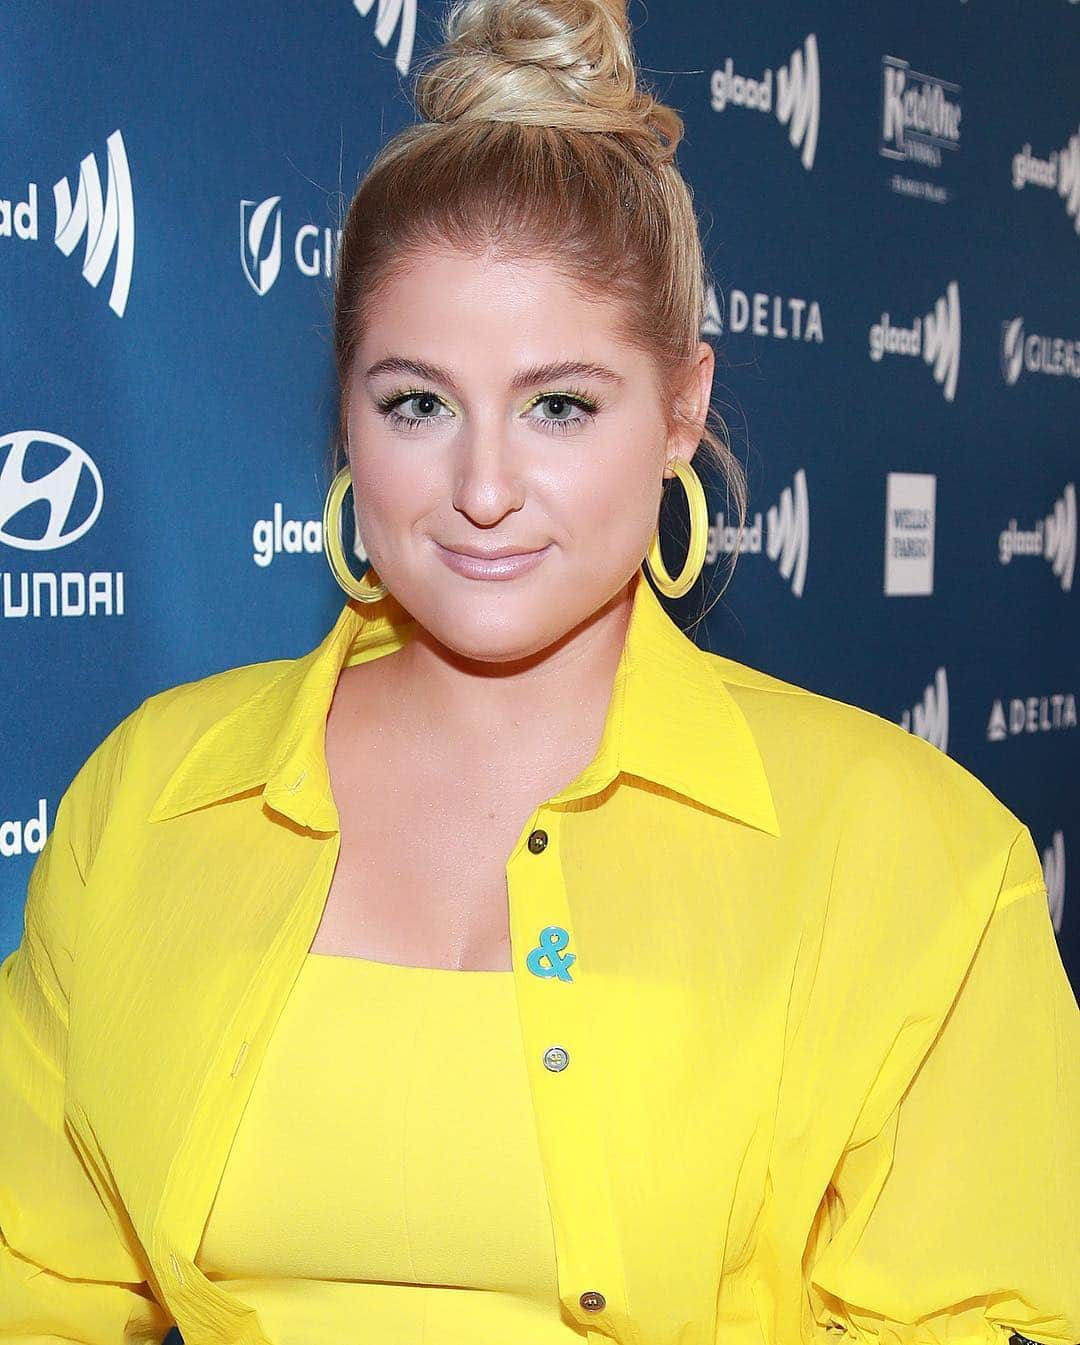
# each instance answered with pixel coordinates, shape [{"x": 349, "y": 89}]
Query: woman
[{"x": 762, "y": 1033}]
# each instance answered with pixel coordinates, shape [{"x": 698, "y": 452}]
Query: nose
[{"x": 488, "y": 483}]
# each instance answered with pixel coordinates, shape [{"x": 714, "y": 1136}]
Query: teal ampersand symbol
[{"x": 547, "y": 958}]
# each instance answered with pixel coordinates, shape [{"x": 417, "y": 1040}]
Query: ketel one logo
[
  {"x": 50, "y": 491},
  {"x": 798, "y": 95},
  {"x": 391, "y": 13},
  {"x": 920, "y": 114},
  {"x": 260, "y": 242}
]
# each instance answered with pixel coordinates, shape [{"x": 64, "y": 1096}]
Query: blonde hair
[{"x": 538, "y": 140}]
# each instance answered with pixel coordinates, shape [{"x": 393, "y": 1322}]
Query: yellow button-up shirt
[{"x": 822, "y": 1060}]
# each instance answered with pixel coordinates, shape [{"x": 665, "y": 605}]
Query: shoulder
[
  {"x": 126, "y": 771},
  {"x": 845, "y": 770}
]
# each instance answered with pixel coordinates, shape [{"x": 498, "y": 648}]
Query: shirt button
[
  {"x": 593, "y": 1301},
  {"x": 556, "y": 1058},
  {"x": 538, "y": 841}
]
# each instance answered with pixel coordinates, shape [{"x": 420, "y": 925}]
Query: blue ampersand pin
[{"x": 553, "y": 939}]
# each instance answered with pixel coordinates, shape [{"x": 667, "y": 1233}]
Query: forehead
[{"x": 487, "y": 310}]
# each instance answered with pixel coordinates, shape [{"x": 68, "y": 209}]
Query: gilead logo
[
  {"x": 1035, "y": 354},
  {"x": 19, "y": 837},
  {"x": 314, "y": 248}
]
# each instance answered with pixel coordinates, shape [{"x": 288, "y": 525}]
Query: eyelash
[{"x": 387, "y": 408}]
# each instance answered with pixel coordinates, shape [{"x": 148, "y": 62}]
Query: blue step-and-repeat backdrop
[{"x": 890, "y": 201}]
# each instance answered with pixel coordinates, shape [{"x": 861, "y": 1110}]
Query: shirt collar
[{"x": 671, "y": 720}]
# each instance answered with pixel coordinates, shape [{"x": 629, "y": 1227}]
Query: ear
[{"x": 692, "y": 402}]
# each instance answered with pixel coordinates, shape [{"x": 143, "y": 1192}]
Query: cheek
[{"x": 392, "y": 488}]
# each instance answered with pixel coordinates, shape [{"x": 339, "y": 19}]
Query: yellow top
[
  {"x": 434, "y": 1228},
  {"x": 802, "y": 1056}
]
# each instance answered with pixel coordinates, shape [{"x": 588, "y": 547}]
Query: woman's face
[{"x": 491, "y": 409}]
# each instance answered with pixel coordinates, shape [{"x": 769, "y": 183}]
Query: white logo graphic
[
  {"x": 279, "y": 535},
  {"x": 764, "y": 315},
  {"x": 1031, "y": 714},
  {"x": 1036, "y": 354},
  {"x": 1053, "y": 867},
  {"x": 910, "y": 499},
  {"x": 261, "y": 263},
  {"x": 798, "y": 95},
  {"x": 1052, "y": 537},
  {"x": 1061, "y": 170},
  {"x": 314, "y": 249},
  {"x": 58, "y": 488},
  {"x": 929, "y": 718},
  {"x": 787, "y": 528},
  {"x": 390, "y": 13},
  {"x": 24, "y": 838},
  {"x": 936, "y": 337},
  {"x": 109, "y": 228},
  {"x": 107, "y": 222},
  {"x": 920, "y": 114}
]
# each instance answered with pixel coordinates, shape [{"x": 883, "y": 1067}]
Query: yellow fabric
[
  {"x": 823, "y": 1060},
  {"x": 441, "y": 1214}
]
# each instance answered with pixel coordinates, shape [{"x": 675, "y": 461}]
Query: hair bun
[{"x": 561, "y": 63}]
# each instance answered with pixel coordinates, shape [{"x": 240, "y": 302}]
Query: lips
[{"x": 500, "y": 565}]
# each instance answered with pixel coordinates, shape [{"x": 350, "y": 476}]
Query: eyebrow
[{"x": 555, "y": 371}]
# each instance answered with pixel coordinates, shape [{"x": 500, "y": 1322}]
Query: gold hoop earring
[
  {"x": 335, "y": 552},
  {"x": 699, "y": 536}
]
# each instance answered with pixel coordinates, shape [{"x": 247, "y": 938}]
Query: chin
[{"x": 490, "y": 625}]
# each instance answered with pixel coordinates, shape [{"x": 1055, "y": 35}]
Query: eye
[
  {"x": 425, "y": 407},
  {"x": 566, "y": 410}
]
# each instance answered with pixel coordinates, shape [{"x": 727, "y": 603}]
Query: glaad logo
[
  {"x": 929, "y": 718},
  {"x": 798, "y": 95},
  {"x": 1031, "y": 714},
  {"x": 1053, "y": 867},
  {"x": 58, "y": 489},
  {"x": 1061, "y": 171},
  {"x": 787, "y": 530},
  {"x": 106, "y": 221},
  {"x": 920, "y": 114},
  {"x": 314, "y": 249},
  {"x": 18, "y": 837},
  {"x": 1036, "y": 354},
  {"x": 764, "y": 315},
  {"x": 1052, "y": 537},
  {"x": 936, "y": 337},
  {"x": 50, "y": 496},
  {"x": 390, "y": 14},
  {"x": 279, "y": 535}
]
